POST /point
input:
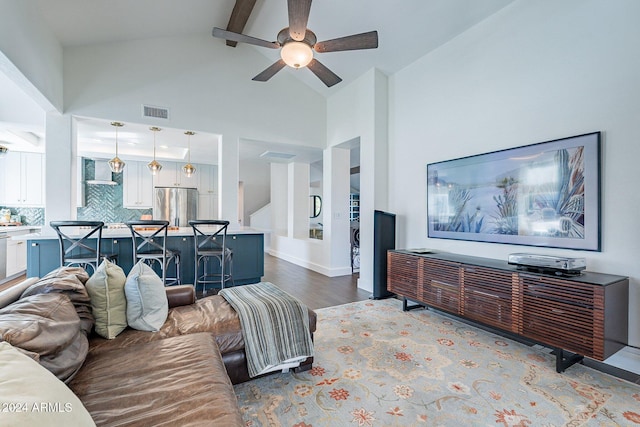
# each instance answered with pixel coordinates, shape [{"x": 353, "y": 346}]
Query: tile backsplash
[
  {"x": 104, "y": 202},
  {"x": 28, "y": 216}
]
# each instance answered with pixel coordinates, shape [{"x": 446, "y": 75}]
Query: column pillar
[
  {"x": 336, "y": 177},
  {"x": 228, "y": 179},
  {"x": 279, "y": 199},
  {"x": 60, "y": 168},
  {"x": 298, "y": 200}
]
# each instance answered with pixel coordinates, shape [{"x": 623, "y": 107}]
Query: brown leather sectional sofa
[{"x": 181, "y": 375}]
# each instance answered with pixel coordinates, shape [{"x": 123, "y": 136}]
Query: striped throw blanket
[{"x": 275, "y": 326}]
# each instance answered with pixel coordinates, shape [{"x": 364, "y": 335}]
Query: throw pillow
[
  {"x": 108, "y": 302},
  {"x": 147, "y": 305},
  {"x": 33, "y": 396}
]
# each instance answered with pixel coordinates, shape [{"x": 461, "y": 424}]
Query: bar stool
[
  {"x": 83, "y": 250},
  {"x": 210, "y": 241},
  {"x": 153, "y": 247}
]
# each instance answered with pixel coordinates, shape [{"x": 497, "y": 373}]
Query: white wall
[
  {"x": 192, "y": 76},
  {"x": 189, "y": 75},
  {"x": 256, "y": 176},
  {"x": 535, "y": 71},
  {"x": 359, "y": 112}
]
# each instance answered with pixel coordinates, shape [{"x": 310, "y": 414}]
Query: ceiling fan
[{"x": 297, "y": 44}]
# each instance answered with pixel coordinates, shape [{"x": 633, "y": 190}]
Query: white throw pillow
[
  {"x": 147, "y": 305},
  {"x": 33, "y": 396},
  {"x": 108, "y": 302}
]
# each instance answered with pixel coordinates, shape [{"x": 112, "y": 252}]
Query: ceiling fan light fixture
[{"x": 296, "y": 54}]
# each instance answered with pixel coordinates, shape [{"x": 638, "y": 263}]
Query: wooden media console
[{"x": 577, "y": 316}]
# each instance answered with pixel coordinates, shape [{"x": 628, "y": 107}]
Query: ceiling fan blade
[
  {"x": 230, "y": 35},
  {"x": 270, "y": 71},
  {"x": 327, "y": 76},
  {"x": 355, "y": 42},
  {"x": 239, "y": 16},
  {"x": 298, "y": 17}
]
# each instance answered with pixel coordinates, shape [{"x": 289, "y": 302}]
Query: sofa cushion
[
  {"x": 211, "y": 314},
  {"x": 108, "y": 301},
  {"x": 70, "y": 282},
  {"x": 147, "y": 304},
  {"x": 177, "y": 381},
  {"x": 47, "y": 327},
  {"x": 25, "y": 387}
]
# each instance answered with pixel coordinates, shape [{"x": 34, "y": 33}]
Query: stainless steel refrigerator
[{"x": 176, "y": 205}]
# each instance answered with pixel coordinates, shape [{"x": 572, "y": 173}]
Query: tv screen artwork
[{"x": 545, "y": 194}]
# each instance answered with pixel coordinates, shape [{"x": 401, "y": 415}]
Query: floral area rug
[{"x": 376, "y": 365}]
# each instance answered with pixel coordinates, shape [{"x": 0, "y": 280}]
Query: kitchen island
[{"x": 43, "y": 252}]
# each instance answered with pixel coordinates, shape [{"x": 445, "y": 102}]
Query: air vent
[{"x": 155, "y": 112}]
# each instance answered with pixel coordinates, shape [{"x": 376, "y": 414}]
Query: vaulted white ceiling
[{"x": 407, "y": 30}]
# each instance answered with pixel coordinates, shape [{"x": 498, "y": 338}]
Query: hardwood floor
[
  {"x": 313, "y": 289},
  {"x": 12, "y": 282}
]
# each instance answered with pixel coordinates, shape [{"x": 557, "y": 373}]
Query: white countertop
[
  {"x": 111, "y": 233},
  {"x": 9, "y": 229}
]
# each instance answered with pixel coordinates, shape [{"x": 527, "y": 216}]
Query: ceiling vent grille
[{"x": 155, "y": 112}]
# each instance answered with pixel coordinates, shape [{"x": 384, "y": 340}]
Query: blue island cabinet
[{"x": 43, "y": 256}]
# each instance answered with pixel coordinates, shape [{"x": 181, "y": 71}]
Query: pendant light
[
  {"x": 116, "y": 165},
  {"x": 154, "y": 166},
  {"x": 189, "y": 169}
]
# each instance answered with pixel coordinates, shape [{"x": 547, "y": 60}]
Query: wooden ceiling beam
[{"x": 239, "y": 17}]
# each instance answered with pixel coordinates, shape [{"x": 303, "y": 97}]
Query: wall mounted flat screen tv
[{"x": 545, "y": 194}]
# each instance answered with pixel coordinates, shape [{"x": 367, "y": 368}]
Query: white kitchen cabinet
[
  {"x": 16, "y": 257},
  {"x": 171, "y": 175},
  {"x": 207, "y": 206},
  {"x": 207, "y": 191},
  {"x": 207, "y": 179},
  {"x": 137, "y": 186},
  {"x": 23, "y": 180}
]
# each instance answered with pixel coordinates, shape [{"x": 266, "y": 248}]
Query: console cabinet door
[
  {"x": 441, "y": 284},
  {"x": 488, "y": 295},
  {"x": 562, "y": 313},
  {"x": 402, "y": 275}
]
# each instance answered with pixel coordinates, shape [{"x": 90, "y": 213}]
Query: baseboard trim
[{"x": 318, "y": 268}]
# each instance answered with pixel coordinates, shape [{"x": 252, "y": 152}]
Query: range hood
[{"x": 103, "y": 174}]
